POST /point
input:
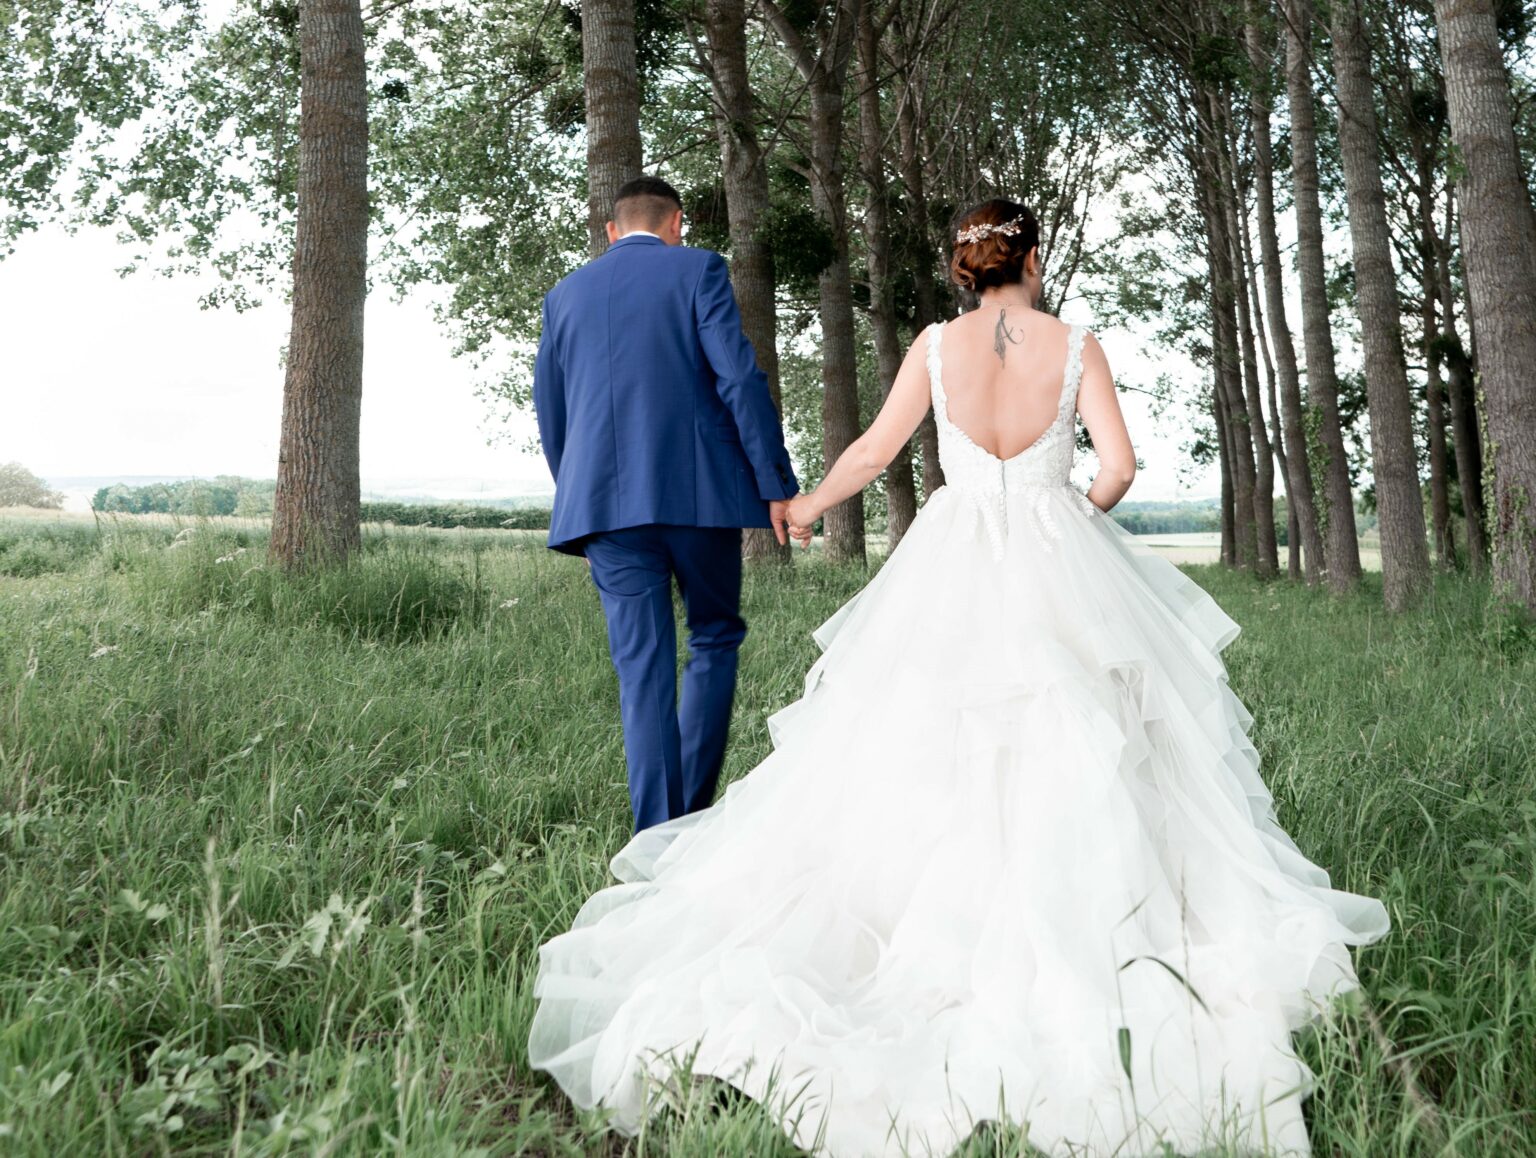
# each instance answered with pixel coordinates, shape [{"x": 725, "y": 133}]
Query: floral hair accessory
[{"x": 977, "y": 232}]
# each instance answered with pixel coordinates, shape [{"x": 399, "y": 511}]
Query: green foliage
[
  {"x": 1150, "y": 518},
  {"x": 222, "y": 495},
  {"x": 273, "y": 880},
  {"x": 19, "y": 487},
  {"x": 449, "y": 516},
  {"x": 801, "y": 243},
  {"x": 44, "y": 550}
]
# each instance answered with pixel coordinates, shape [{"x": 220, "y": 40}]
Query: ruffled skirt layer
[{"x": 1010, "y": 858}]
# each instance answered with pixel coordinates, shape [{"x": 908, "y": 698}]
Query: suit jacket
[{"x": 650, "y": 403}]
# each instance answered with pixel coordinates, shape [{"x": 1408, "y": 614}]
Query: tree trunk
[
  {"x": 1224, "y": 461},
  {"x": 920, "y": 255},
  {"x": 1298, "y": 470},
  {"x": 1434, "y": 393},
  {"x": 1267, "y": 561},
  {"x": 1228, "y": 373},
  {"x": 1499, "y": 247},
  {"x": 315, "y": 508},
  {"x": 1466, "y": 438},
  {"x": 612, "y": 85},
  {"x": 1394, "y": 461},
  {"x": 843, "y": 525},
  {"x": 1277, "y": 433},
  {"x": 825, "y": 72},
  {"x": 900, "y": 487},
  {"x": 746, "y": 198},
  {"x": 1335, "y": 501}
]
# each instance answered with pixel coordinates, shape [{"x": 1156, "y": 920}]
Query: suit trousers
[{"x": 674, "y": 750}]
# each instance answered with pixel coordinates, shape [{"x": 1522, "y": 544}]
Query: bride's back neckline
[{"x": 1063, "y": 385}]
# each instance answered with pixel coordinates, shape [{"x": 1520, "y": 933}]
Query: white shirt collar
[{"x": 647, "y": 232}]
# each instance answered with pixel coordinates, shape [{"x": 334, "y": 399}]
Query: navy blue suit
[{"x": 663, "y": 442}]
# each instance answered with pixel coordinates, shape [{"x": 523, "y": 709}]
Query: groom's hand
[{"x": 778, "y": 515}]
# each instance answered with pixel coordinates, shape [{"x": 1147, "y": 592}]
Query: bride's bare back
[
  {"x": 1004, "y": 368},
  {"x": 1003, "y": 373}
]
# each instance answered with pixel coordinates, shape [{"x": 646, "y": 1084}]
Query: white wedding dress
[{"x": 1010, "y": 858}]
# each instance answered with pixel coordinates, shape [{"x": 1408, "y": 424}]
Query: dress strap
[
  {"x": 936, "y": 370},
  {"x": 1072, "y": 372}
]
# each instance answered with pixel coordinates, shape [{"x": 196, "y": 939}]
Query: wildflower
[
  {"x": 506, "y": 603},
  {"x": 108, "y": 649}
]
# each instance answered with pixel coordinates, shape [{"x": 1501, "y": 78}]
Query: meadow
[{"x": 276, "y": 854}]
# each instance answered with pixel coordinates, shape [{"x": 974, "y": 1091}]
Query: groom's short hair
[{"x": 643, "y": 202}]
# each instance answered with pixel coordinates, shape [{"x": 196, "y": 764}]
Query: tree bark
[
  {"x": 1499, "y": 245},
  {"x": 920, "y": 256},
  {"x": 1277, "y": 433},
  {"x": 1434, "y": 391},
  {"x": 1297, "y": 467},
  {"x": 1394, "y": 461},
  {"x": 1224, "y": 342},
  {"x": 1466, "y": 438},
  {"x": 1224, "y": 462},
  {"x": 745, "y": 178},
  {"x": 1335, "y": 501},
  {"x": 612, "y": 85},
  {"x": 900, "y": 487},
  {"x": 315, "y": 508},
  {"x": 826, "y": 75},
  {"x": 1267, "y": 561}
]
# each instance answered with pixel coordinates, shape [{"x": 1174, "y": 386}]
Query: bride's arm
[
  {"x": 1100, "y": 408},
  {"x": 872, "y": 451}
]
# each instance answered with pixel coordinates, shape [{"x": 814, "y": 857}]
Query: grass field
[{"x": 275, "y": 856}]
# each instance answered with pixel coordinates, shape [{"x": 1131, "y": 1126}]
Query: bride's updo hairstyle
[{"x": 989, "y": 242}]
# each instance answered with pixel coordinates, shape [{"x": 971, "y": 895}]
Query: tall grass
[{"x": 276, "y": 854}]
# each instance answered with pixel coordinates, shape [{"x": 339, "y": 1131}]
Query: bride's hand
[{"x": 802, "y": 515}]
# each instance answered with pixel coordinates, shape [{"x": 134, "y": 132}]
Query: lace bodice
[{"x": 1037, "y": 472}]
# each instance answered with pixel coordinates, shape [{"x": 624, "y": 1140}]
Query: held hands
[
  {"x": 777, "y": 517},
  {"x": 802, "y": 513}
]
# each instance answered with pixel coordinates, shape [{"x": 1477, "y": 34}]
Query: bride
[{"x": 1011, "y": 857}]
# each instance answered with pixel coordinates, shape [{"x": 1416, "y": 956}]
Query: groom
[{"x": 664, "y": 442}]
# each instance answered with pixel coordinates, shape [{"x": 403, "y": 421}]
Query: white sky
[{"x": 103, "y": 375}]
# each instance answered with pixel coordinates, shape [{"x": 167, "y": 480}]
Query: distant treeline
[
  {"x": 252, "y": 498},
  {"x": 225, "y": 494},
  {"x": 1169, "y": 518},
  {"x": 456, "y": 515}
]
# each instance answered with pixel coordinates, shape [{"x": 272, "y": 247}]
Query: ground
[{"x": 275, "y": 855}]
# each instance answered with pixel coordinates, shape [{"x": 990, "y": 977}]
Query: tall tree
[
  {"x": 904, "y": 35},
  {"x": 1466, "y": 437},
  {"x": 315, "y": 509},
  {"x": 1233, "y": 205},
  {"x": 1434, "y": 384},
  {"x": 1394, "y": 461},
  {"x": 1413, "y": 131},
  {"x": 821, "y": 55},
  {"x": 611, "y": 82},
  {"x": 1205, "y": 159},
  {"x": 747, "y": 198},
  {"x": 900, "y": 487},
  {"x": 1499, "y": 238},
  {"x": 1224, "y": 464},
  {"x": 1336, "y": 499},
  {"x": 1299, "y": 492}
]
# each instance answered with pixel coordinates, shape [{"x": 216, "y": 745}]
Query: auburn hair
[{"x": 998, "y": 258}]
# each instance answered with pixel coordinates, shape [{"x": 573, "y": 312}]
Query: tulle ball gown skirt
[{"x": 1010, "y": 858}]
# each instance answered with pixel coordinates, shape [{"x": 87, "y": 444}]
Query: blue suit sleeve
[
  {"x": 741, "y": 383},
  {"x": 549, "y": 396}
]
